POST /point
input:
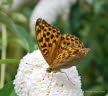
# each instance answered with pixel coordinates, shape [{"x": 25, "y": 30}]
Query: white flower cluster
[{"x": 33, "y": 80}]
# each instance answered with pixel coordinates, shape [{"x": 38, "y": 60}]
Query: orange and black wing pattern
[
  {"x": 60, "y": 51},
  {"x": 48, "y": 39}
]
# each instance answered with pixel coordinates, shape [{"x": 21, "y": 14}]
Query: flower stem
[
  {"x": 3, "y": 54},
  {"x": 11, "y": 61}
]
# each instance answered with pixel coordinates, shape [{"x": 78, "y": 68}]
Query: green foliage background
[{"x": 88, "y": 22}]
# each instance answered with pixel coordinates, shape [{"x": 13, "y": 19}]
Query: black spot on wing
[
  {"x": 44, "y": 35},
  {"x": 64, "y": 42},
  {"x": 48, "y": 33},
  {"x": 49, "y": 29},
  {"x": 52, "y": 36},
  {"x": 41, "y": 39},
  {"x": 42, "y": 27},
  {"x": 68, "y": 43},
  {"x": 46, "y": 39},
  {"x": 49, "y": 45},
  {"x": 54, "y": 41},
  {"x": 44, "y": 45},
  {"x": 45, "y": 29},
  {"x": 54, "y": 31},
  {"x": 57, "y": 35},
  {"x": 45, "y": 51}
]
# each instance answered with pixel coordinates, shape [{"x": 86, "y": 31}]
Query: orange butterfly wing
[
  {"x": 71, "y": 51},
  {"x": 60, "y": 51},
  {"x": 48, "y": 39}
]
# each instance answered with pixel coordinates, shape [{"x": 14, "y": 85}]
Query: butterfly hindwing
[
  {"x": 70, "y": 45},
  {"x": 68, "y": 40}
]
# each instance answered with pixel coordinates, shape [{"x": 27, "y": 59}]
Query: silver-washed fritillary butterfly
[{"x": 59, "y": 51}]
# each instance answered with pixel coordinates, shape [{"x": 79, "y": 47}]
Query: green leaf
[
  {"x": 12, "y": 61},
  {"x": 8, "y": 22},
  {"x": 10, "y": 2},
  {"x": 74, "y": 19},
  {"x": 24, "y": 34},
  {"x": 8, "y": 90},
  {"x": 21, "y": 44},
  {"x": 18, "y": 30},
  {"x": 13, "y": 93}
]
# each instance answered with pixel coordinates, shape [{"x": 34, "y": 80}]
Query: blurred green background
[{"x": 87, "y": 21}]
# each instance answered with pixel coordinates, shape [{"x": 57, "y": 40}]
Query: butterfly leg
[
  {"x": 73, "y": 85},
  {"x": 44, "y": 76}
]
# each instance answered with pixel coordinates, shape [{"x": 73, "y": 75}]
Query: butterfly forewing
[{"x": 48, "y": 39}]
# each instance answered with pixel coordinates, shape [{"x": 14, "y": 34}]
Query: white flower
[
  {"x": 49, "y": 10},
  {"x": 33, "y": 80}
]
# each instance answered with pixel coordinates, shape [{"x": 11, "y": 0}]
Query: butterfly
[{"x": 59, "y": 50}]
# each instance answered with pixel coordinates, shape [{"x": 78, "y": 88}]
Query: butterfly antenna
[
  {"x": 73, "y": 85},
  {"x": 35, "y": 65}
]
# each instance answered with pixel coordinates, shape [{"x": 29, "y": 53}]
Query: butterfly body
[{"x": 59, "y": 51}]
